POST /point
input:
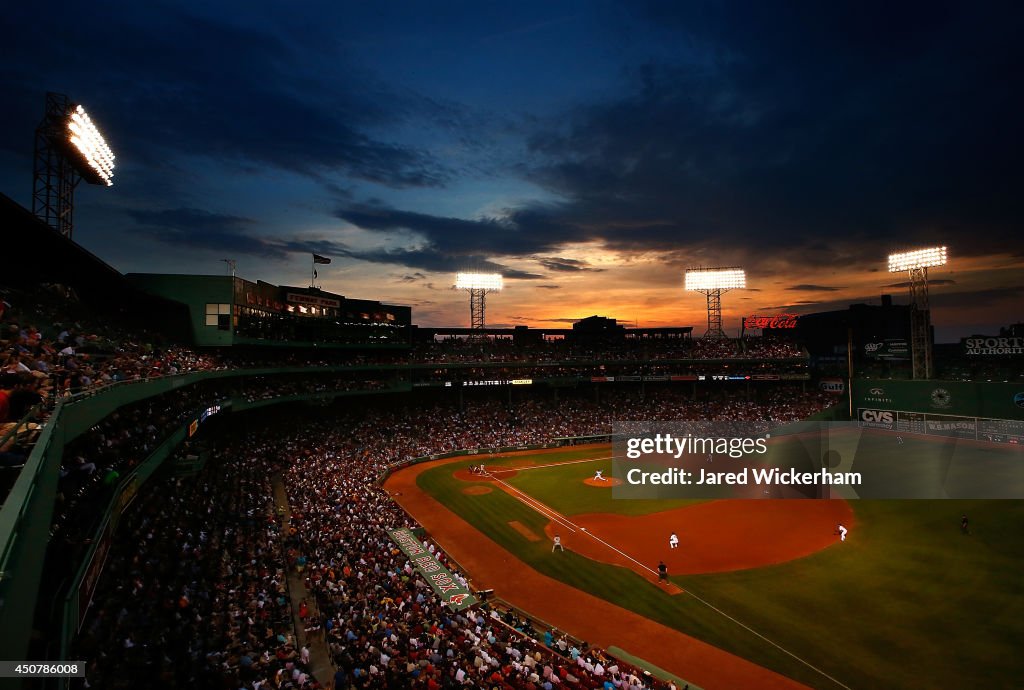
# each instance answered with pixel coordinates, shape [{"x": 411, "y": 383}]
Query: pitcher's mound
[{"x": 606, "y": 482}]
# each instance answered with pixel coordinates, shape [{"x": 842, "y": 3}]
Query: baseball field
[{"x": 761, "y": 593}]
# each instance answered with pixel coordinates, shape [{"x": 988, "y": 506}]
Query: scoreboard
[{"x": 1001, "y": 430}]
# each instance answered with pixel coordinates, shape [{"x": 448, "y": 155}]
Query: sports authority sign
[
  {"x": 988, "y": 346},
  {"x": 440, "y": 578}
]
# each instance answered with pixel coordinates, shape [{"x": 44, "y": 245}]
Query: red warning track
[{"x": 577, "y": 612}]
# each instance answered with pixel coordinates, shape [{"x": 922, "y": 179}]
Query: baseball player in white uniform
[
  {"x": 842, "y": 531},
  {"x": 599, "y": 476},
  {"x": 673, "y": 541}
]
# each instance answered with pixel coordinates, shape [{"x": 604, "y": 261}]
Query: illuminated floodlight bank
[
  {"x": 478, "y": 285},
  {"x": 916, "y": 264},
  {"x": 713, "y": 282},
  {"x": 68, "y": 149},
  {"x": 918, "y": 258},
  {"x": 702, "y": 279},
  {"x": 492, "y": 282},
  {"x": 87, "y": 141}
]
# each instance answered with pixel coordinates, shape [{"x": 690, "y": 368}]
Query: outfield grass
[{"x": 906, "y": 602}]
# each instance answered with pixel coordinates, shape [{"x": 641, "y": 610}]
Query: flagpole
[{"x": 313, "y": 275}]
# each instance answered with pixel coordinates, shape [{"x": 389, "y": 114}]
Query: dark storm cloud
[
  {"x": 936, "y": 281},
  {"x": 793, "y": 123},
  {"x": 941, "y": 299},
  {"x": 821, "y": 132},
  {"x": 202, "y": 86},
  {"x": 521, "y": 232},
  {"x": 567, "y": 265},
  {"x": 808, "y": 287},
  {"x": 200, "y": 229},
  {"x": 435, "y": 261},
  {"x": 195, "y": 220}
]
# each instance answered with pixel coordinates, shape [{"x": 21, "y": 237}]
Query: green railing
[
  {"x": 24, "y": 531},
  {"x": 10, "y": 436}
]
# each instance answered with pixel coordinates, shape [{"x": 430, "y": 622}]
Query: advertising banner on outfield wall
[
  {"x": 993, "y": 346},
  {"x": 958, "y": 398},
  {"x": 891, "y": 348},
  {"x": 832, "y": 385},
  {"x": 885, "y": 454},
  {"x": 453, "y": 594}
]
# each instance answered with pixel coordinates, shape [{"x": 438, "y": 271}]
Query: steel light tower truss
[
  {"x": 713, "y": 282},
  {"x": 68, "y": 149},
  {"x": 916, "y": 264},
  {"x": 55, "y": 179},
  {"x": 478, "y": 285}
]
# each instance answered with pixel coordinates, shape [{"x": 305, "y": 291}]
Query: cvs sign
[{"x": 878, "y": 419}]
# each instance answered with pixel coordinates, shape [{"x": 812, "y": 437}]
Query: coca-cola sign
[{"x": 777, "y": 321}]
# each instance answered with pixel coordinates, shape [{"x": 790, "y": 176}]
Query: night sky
[{"x": 588, "y": 151}]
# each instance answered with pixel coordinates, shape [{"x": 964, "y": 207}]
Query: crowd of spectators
[
  {"x": 195, "y": 592},
  {"x": 94, "y": 462},
  {"x": 45, "y": 334},
  {"x": 770, "y": 348},
  {"x": 277, "y": 386},
  {"x": 455, "y": 350},
  {"x": 714, "y": 349}
]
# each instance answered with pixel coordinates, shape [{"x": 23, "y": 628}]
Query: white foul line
[
  {"x": 553, "y": 464},
  {"x": 532, "y": 502},
  {"x": 561, "y": 519},
  {"x": 773, "y": 644}
]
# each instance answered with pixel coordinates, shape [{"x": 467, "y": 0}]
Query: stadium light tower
[
  {"x": 713, "y": 282},
  {"x": 68, "y": 149},
  {"x": 916, "y": 263},
  {"x": 478, "y": 285}
]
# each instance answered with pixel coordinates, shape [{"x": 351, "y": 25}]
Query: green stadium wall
[{"x": 959, "y": 398}]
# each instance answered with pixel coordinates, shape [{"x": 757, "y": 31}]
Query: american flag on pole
[{"x": 317, "y": 259}]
